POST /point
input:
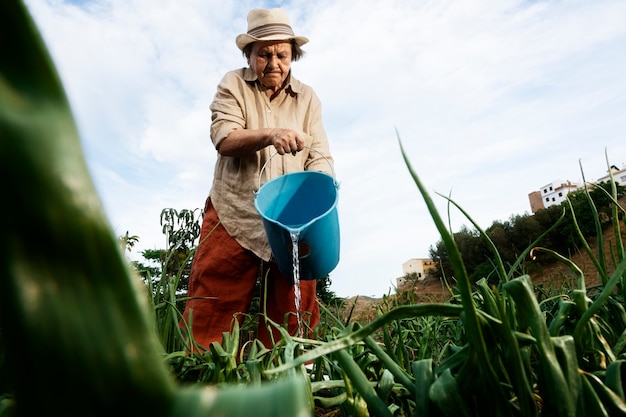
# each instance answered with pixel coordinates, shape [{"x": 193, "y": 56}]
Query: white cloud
[{"x": 492, "y": 99}]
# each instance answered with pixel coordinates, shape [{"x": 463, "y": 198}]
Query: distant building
[
  {"x": 556, "y": 192},
  {"x": 418, "y": 266},
  {"x": 536, "y": 201},
  {"x": 551, "y": 194},
  {"x": 619, "y": 176}
]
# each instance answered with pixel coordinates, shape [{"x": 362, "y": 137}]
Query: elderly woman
[{"x": 257, "y": 111}]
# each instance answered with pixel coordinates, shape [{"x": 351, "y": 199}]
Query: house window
[
  {"x": 560, "y": 194},
  {"x": 553, "y": 199},
  {"x": 547, "y": 199}
]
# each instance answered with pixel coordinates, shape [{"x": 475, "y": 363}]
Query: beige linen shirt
[{"x": 241, "y": 103}]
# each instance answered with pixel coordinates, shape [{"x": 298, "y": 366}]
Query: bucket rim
[
  {"x": 332, "y": 168},
  {"x": 298, "y": 229}
]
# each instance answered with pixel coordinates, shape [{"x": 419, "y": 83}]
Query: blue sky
[{"x": 492, "y": 99}]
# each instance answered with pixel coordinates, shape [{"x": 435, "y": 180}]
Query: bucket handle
[{"x": 307, "y": 147}]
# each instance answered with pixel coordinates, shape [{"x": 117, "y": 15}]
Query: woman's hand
[
  {"x": 243, "y": 141},
  {"x": 286, "y": 141}
]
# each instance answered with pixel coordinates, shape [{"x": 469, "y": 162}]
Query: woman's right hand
[
  {"x": 241, "y": 142},
  {"x": 286, "y": 141}
]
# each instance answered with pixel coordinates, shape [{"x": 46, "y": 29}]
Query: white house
[
  {"x": 552, "y": 194},
  {"x": 556, "y": 192},
  {"x": 418, "y": 266},
  {"x": 619, "y": 176}
]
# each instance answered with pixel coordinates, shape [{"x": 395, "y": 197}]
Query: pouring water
[{"x": 295, "y": 238}]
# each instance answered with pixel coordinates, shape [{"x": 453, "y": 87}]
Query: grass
[{"x": 77, "y": 335}]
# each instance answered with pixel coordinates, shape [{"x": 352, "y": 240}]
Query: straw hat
[{"x": 268, "y": 25}]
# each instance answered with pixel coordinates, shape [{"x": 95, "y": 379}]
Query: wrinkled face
[{"x": 271, "y": 61}]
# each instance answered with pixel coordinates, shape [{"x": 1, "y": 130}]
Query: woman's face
[{"x": 271, "y": 61}]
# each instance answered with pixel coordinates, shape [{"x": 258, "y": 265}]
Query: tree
[
  {"x": 472, "y": 247},
  {"x": 501, "y": 235},
  {"x": 324, "y": 294},
  {"x": 601, "y": 194},
  {"x": 127, "y": 241},
  {"x": 181, "y": 230}
]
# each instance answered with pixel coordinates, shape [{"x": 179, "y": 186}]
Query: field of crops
[{"x": 80, "y": 335}]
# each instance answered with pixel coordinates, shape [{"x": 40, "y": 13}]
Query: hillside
[{"x": 434, "y": 291}]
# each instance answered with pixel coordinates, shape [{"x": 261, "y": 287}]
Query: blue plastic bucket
[{"x": 304, "y": 203}]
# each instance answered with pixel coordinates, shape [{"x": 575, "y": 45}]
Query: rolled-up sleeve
[{"x": 227, "y": 109}]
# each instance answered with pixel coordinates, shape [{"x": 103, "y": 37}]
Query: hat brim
[{"x": 244, "y": 39}]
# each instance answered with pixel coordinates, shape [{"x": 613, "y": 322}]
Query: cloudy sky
[{"x": 492, "y": 100}]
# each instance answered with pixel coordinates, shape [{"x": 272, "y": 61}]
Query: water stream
[{"x": 295, "y": 238}]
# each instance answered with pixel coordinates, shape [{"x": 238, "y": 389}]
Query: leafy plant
[{"x": 76, "y": 337}]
